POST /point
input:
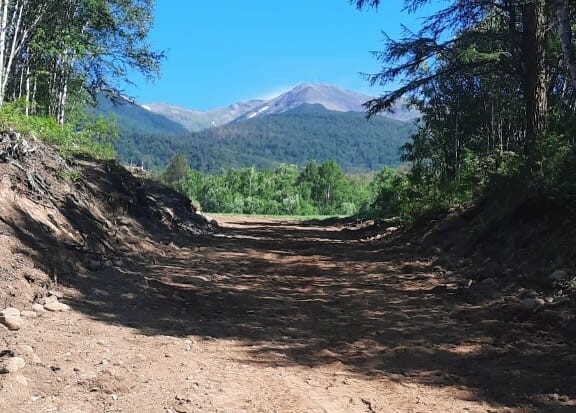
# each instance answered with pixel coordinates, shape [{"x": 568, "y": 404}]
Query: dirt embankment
[
  {"x": 163, "y": 314},
  {"x": 60, "y": 219}
]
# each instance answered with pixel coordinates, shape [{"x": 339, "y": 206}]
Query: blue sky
[{"x": 221, "y": 52}]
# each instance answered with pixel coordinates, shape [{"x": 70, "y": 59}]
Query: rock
[
  {"x": 558, "y": 275},
  {"x": 29, "y": 314},
  {"x": 25, "y": 349},
  {"x": 49, "y": 299},
  {"x": 35, "y": 359},
  {"x": 28, "y": 353},
  {"x": 531, "y": 304},
  {"x": 38, "y": 308},
  {"x": 20, "y": 380},
  {"x": 57, "y": 294},
  {"x": 391, "y": 229},
  {"x": 12, "y": 365},
  {"x": 125, "y": 221},
  {"x": 10, "y": 312},
  {"x": 10, "y": 318},
  {"x": 56, "y": 306},
  {"x": 118, "y": 263},
  {"x": 467, "y": 284},
  {"x": 437, "y": 250}
]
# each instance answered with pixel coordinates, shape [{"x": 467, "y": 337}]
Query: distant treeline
[{"x": 316, "y": 189}]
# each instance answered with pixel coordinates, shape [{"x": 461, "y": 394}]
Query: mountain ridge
[
  {"x": 307, "y": 132},
  {"x": 331, "y": 97}
]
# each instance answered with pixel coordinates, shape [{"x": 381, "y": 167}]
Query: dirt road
[{"x": 272, "y": 316}]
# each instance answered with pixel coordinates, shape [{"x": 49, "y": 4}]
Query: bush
[{"x": 92, "y": 136}]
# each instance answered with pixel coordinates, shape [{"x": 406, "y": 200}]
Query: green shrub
[{"x": 92, "y": 136}]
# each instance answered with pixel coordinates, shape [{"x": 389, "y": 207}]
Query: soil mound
[{"x": 60, "y": 218}]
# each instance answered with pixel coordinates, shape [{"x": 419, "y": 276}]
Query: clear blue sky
[{"x": 221, "y": 52}]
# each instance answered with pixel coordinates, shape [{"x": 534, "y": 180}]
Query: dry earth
[
  {"x": 272, "y": 316},
  {"x": 153, "y": 311}
]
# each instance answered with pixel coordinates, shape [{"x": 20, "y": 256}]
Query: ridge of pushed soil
[{"x": 168, "y": 313}]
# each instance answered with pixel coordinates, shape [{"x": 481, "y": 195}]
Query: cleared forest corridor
[{"x": 271, "y": 316}]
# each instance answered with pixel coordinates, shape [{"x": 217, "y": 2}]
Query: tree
[
  {"x": 524, "y": 53},
  {"x": 176, "y": 170},
  {"x": 52, "y": 52},
  {"x": 564, "y": 22},
  {"x": 18, "y": 21}
]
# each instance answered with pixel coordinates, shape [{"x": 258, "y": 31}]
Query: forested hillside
[
  {"x": 299, "y": 135},
  {"x": 295, "y": 137},
  {"x": 134, "y": 120},
  {"x": 448, "y": 283}
]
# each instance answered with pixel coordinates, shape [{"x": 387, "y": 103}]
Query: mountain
[
  {"x": 330, "y": 97},
  {"x": 310, "y": 121},
  {"x": 298, "y": 135},
  {"x": 133, "y": 119},
  {"x": 195, "y": 120}
]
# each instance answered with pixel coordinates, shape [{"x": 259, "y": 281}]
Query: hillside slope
[
  {"x": 133, "y": 119},
  {"x": 297, "y": 136}
]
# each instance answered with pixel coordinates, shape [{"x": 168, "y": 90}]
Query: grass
[
  {"x": 278, "y": 217},
  {"x": 89, "y": 136}
]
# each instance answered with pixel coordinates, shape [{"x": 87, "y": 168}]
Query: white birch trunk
[
  {"x": 28, "y": 87},
  {"x": 11, "y": 45},
  {"x": 3, "y": 32}
]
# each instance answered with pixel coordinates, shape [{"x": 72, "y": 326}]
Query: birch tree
[
  {"x": 52, "y": 51},
  {"x": 17, "y": 23}
]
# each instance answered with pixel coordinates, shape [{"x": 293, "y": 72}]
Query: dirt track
[{"x": 275, "y": 317}]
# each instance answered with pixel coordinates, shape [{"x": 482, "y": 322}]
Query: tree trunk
[
  {"x": 63, "y": 100},
  {"x": 33, "y": 96},
  {"x": 535, "y": 82},
  {"x": 3, "y": 30},
  {"x": 28, "y": 86},
  {"x": 565, "y": 32}
]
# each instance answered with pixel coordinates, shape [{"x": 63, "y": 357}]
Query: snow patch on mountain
[{"x": 330, "y": 97}]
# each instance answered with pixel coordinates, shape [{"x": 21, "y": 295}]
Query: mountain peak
[{"x": 328, "y": 96}]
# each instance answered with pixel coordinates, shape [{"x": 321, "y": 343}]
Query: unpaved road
[{"x": 273, "y": 316}]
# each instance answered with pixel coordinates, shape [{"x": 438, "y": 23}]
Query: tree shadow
[{"x": 311, "y": 297}]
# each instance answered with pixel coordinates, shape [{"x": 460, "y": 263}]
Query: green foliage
[
  {"x": 284, "y": 190},
  {"x": 92, "y": 136},
  {"x": 177, "y": 170},
  {"x": 485, "y": 78}
]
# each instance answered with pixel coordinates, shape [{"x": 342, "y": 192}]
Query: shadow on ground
[{"x": 312, "y": 296}]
